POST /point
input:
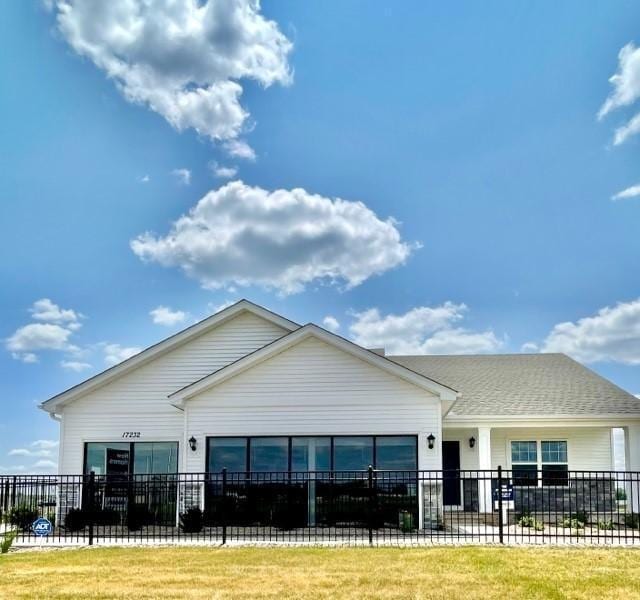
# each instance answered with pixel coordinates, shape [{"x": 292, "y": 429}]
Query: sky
[{"x": 429, "y": 177}]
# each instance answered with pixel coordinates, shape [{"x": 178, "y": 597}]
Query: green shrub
[
  {"x": 526, "y": 520},
  {"x": 6, "y": 542},
  {"x": 632, "y": 520},
  {"x": 572, "y": 523},
  {"x": 605, "y": 524},
  {"x": 137, "y": 517},
  {"x": 621, "y": 494},
  {"x": 21, "y": 516},
  {"x": 75, "y": 520},
  {"x": 191, "y": 521}
]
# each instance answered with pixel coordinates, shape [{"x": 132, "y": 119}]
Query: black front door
[{"x": 451, "y": 473}]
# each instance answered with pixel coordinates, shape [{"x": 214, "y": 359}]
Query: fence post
[
  {"x": 13, "y": 491},
  {"x": 223, "y": 506},
  {"x": 371, "y": 505},
  {"x": 91, "y": 498},
  {"x": 500, "y": 515}
]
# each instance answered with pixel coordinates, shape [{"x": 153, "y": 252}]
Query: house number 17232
[{"x": 131, "y": 434}]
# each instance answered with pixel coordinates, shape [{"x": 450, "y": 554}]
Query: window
[
  {"x": 555, "y": 468},
  {"x": 123, "y": 458},
  {"x": 312, "y": 453},
  {"x": 524, "y": 463},
  {"x": 549, "y": 457},
  {"x": 229, "y": 453},
  {"x": 396, "y": 453}
]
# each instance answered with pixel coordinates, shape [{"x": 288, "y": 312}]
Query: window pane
[
  {"x": 396, "y": 452},
  {"x": 554, "y": 452},
  {"x": 352, "y": 453},
  {"x": 107, "y": 458},
  {"x": 229, "y": 453},
  {"x": 269, "y": 454},
  {"x": 555, "y": 475},
  {"x": 524, "y": 452},
  {"x": 155, "y": 457},
  {"x": 310, "y": 454},
  {"x": 525, "y": 474}
]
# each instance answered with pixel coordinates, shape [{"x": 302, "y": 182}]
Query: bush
[
  {"x": 621, "y": 494},
  {"x": 75, "y": 520},
  {"x": 526, "y": 520},
  {"x": 21, "y": 517},
  {"x": 137, "y": 517},
  {"x": 607, "y": 525},
  {"x": 572, "y": 523},
  {"x": 6, "y": 542},
  {"x": 106, "y": 517},
  {"x": 191, "y": 521},
  {"x": 632, "y": 520}
]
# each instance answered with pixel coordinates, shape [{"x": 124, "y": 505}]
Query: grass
[{"x": 461, "y": 572}]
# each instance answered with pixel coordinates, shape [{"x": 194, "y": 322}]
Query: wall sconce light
[
  {"x": 472, "y": 442},
  {"x": 193, "y": 443},
  {"x": 430, "y": 440}
]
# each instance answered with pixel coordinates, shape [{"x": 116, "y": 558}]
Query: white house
[{"x": 247, "y": 389}]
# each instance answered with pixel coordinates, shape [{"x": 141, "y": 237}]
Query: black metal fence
[{"x": 347, "y": 507}]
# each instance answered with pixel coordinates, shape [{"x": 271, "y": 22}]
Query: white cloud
[
  {"x": 530, "y": 348},
  {"x": 28, "y": 452},
  {"x": 331, "y": 323},
  {"x": 144, "y": 179},
  {"x": 38, "y": 336},
  {"x": 182, "y": 175},
  {"x": 612, "y": 334},
  {"x": 43, "y": 450},
  {"x": 221, "y": 171},
  {"x": 115, "y": 353},
  {"x": 46, "y": 310},
  {"x": 183, "y": 59},
  {"x": 630, "y": 192},
  {"x": 626, "y": 90},
  {"x": 45, "y": 444},
  {"x": 73, "y": 365},
  {"x": 45, "y": 465},
  {"x": 216, "y": 308},
  {"x": 626, "y": 82},
  {"x": 283, "y": 239},
  {"x": 163, "y": 315},
  {"x": 240, "y": 149},
  {"x": 422, "y": 330}
]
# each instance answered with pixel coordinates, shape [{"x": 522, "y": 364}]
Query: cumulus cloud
[
  {"x": 182, "y": 175},
  {"x": 612, "y": 334},
  {"x": 285, "y": 239},
  {"x": 163, "y": 315},
  {"x": 115, "y": 353},
  {"x": 630, "y": 192},
  {"x": 45, "y": 444},
  {"x": 331, "y": 323},
  {"x": 38, "y": 336},
  {"x": 42, "y": 450},
  {"x": 240, "y": 149},
  {"x": 74, "y": 365},
  {"x": 183, "y": 59},
  {"x": 46, "y": 310},
  {"x": 422, "y": 330},
  {"x": 221, "y": 171},
  {"x": 144, "y": 179},
  {"x": 626, "y": 90}
]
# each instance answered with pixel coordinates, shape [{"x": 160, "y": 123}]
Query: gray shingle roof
[{"x": 523, "y": 384}]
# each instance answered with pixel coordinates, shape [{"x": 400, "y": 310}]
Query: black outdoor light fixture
[
  {"x": 430, "y": 440},
  {"x": 472, "y": 442},
  {"x": 193, "y": 443}
]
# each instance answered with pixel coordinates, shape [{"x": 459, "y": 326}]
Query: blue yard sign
[{"x": 42, "y": 526}]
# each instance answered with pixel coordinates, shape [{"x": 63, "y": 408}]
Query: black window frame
[
  {"x": 290, "y": 437},
  {"x": 132, "y": 457}
]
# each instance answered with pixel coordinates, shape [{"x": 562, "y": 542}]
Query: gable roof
[
  {"x": 521, "y": 385},
  {"x": 447, "y": 394},
  {"x": 165, "y": 346}
]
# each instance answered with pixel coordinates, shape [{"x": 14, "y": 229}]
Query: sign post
[
  {"x": 503, "y": 501},
  {"x": 42, "y": 528}
]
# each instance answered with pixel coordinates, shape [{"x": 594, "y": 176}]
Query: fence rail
[{"x": 347, "y": 507}]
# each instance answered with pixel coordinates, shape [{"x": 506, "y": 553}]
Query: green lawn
[{"x": 462, "y": 572}]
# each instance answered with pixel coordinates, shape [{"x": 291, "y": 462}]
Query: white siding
[
  {"x": 313, "y": 388},
  {"x": 588, "y": 448},
  {"x": 138, "y": 401}
]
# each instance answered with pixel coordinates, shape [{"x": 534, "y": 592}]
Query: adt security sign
[
  {"x": 42, "y": 527},
  {"x": 507, "y": 497}
]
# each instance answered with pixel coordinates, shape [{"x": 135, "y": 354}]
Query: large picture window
[
  {"x": 547, "y": 457},
  {"x": 137, "y": 458},
  {"x": 312, "y": 453}
]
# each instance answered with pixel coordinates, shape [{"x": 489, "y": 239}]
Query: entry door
[{"x": 451, "y": 476}]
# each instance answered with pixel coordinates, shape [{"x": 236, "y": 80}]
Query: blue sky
[{"x": 469, "y": 132}]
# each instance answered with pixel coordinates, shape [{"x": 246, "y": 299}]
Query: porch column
[
  {"x": 484, "y": 464},
  {"x": 632, "y": 462}
]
